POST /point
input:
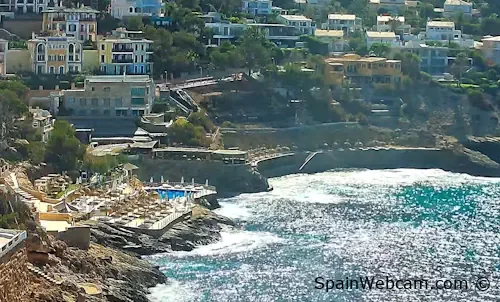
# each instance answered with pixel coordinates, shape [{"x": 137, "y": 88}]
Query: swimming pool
[{"x": 170, "y": 194}]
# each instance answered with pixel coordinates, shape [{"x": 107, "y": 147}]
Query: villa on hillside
[{"x": 363, "y": 70}]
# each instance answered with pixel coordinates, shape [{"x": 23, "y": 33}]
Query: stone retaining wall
[{"x": 15, "y": 277}]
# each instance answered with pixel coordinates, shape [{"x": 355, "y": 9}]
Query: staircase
[{"x": 35, "y": 270}]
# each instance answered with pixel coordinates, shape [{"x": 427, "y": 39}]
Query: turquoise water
[
  {"x": 400, "y": 224},
  {"x": 171, "y": 194}
]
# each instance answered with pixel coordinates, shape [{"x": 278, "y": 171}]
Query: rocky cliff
[
  {"x": 229, "y": 179},
  {"x": 60, "y": 273},
  {"x": 460, "y": 159}
]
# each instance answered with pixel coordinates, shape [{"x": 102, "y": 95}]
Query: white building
[
  {"x": 224, "y": 31},
  {"x": 55, "y": 55},
  {"x": 257, "y": 7},
  {"x": 389, "y": 38},
  {"x": 344, "y": 22},
  {"x": 129, "y": 8},
  {"x": 42, "y": 120},
  {"x": 4, "y": 49},
  {"x": 442, "y": 30},
  {"x": 335, "y": 39},
  {"x": 389, "y": 23},
  {"x": 31, "y": 6},
  {"x": 303, "y": 24},
  {"x": 491, "y": 49},
  {"x": 455, "y": 7}
]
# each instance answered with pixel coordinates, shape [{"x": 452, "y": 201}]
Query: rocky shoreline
[{"x": 201, "y": 229}]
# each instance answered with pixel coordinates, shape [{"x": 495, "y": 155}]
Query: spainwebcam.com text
[{"x": 479, "y": 284}]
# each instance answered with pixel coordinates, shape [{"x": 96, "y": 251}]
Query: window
[
  {"x": 71, "y": 100},
  {"x": 95, "y": 102},
  {"x": 106, "y": 102},
  {"x": 106, "y": 112},
  {"x": 61, "y": 69},
  {"x": 137, "y": 91},
  {"x": 137, "y": 101},
  {"x": 92, "y": 88},
  {"x": 83, "y": 102},
  {"x": 102, "y": 47},
  {"x": 118, "y": 102},
  {"x": 94, "y": 112},
  {"x": 102, "y": 58},
  {"x": 107, "y": 89},
  {"x": 52, "y": 69},
  {"x": 142, "y": 47},
  {"x": 40, "y": 69}
]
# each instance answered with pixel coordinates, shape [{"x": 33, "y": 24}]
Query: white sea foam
[
  {"x": 233, "y": 242},
  {"x": 233, "y": 210},
  {"x": 173, "y": 291}
]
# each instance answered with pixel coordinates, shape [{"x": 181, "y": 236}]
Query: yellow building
[
  {"x": 55, "y": 55},
  {"x": 363, "y": 70},
  {"x": 80, "y": 23}
]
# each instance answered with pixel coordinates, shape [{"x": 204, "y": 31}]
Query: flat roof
[
  {"x": 7, "y": 235},
  {"x": 230, "y": 152},
  {"x": 389, "y": 18},
  {"x": 329, "y": 33},
  {"x": 125, "y": 40},
  {"x": 182, "y": 149},
  {"x": 295, "y": 18},
  {"x": 494, "y": 39},
  {"x": 381, "y": 34},
  {"x": 84, "y": 9},
  {"x": 341, "y": 17},
  {"x": 54, "y": 225},
  {"x": 457, "y": 2},
  {"x": 118, "y": 78},
  {"x": 441, "y": 23}
]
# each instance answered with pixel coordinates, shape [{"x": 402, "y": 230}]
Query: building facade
[
  {"x": 42, "y": 120},
  {"x": 442, "y": 30},
  {"x": 363, "y": 70},
  {"x": 129, "y": 8},
  {"x": 80, "y": 23},
  {"x": 125, "y": 52},
  {"x": 257, "y": 7},
  {"x": 55, "y": 55},
  {"x": 491, "y": 49},
  {"x": 118, "y": 96},
  {"x": 433, "y": 59},
  {"x": 380, "y": 37},
  {"x": 346, "y": 23},
  {"x": 335, "y": 39},
  {"x": 453, "y": 8},
  {"x": 303, "y": 24},
  {"x": 4, "y": 49}
]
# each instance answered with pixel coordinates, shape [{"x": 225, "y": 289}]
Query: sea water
[{"x": 402, "y": 224}]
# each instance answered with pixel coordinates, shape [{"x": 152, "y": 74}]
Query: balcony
[
  {"x": 123, "y": 60},
  {"x": 122, "y": 49}
]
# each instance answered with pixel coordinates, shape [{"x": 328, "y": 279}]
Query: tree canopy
[{"x": 64, "y": 150}]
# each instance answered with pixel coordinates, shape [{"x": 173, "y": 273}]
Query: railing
[
  {"x": 183, "y": 185},
  {"x": 119, "y": 49},
  {"x": 123, "y": 61}
]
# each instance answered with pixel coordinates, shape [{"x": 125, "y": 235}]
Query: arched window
[
  {"x": 41, "y": 49},
  {"x": 131, "y": 9},
  {"x": 52, "y": 69},
  {"x": 61, "y": 69},
  {"x": 71, "y": 48}
]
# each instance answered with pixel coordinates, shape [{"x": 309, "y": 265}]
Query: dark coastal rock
[{"x": 201, "y": 229}]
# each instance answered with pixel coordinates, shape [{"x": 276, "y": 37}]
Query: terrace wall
[{"x": 14, "y": 275}]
